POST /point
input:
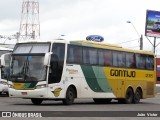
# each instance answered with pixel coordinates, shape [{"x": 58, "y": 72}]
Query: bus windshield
[
  {"x": 27, "y": 62},
  {"x": 28, "y": 68}
]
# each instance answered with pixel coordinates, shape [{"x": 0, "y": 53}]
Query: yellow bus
[{"x": 65, "y": 70}]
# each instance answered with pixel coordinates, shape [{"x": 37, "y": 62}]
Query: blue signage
[{"x": 96, "y": 38}]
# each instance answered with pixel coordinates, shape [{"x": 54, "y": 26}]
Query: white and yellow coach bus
[{"x": 65, "y": 70}]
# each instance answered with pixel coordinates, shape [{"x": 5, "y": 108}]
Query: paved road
[{"x": 18, "y": 104}]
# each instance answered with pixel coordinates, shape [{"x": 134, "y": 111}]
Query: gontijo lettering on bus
[{"x": 122, "y": 73}]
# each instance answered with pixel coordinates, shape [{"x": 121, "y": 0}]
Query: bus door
[{"x": 56, "y": 66}]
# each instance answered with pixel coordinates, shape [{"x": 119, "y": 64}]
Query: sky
[{"x": 76, "y": 19}]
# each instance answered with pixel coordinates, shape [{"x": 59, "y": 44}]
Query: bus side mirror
[
  {"x": 46, "y": 59},
  {"x": 5, "y": 58}
]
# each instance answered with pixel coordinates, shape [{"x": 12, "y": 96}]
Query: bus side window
[
  {"x": 115, "y": 59},
  {"x": 93, "y": 56},
  {"x": 130, "y": 60},
  {"x": 70, "y": 56},
  {"x": 101, "y": 57},
  {"x": 150, "y": 62},
  {"x": 140, "y": 61},
  {"x": 86, "y": 59},
  {"x": 107, "y": 58},
  {"x": 151, "y": 59},
  {"x": 121, "y": 59},
  {"x": 74, "y": 54},
  {"x": 78, "y": 55}
]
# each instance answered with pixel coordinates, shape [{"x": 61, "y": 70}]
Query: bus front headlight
[
  {"x": 2, "y": 82},
  {"x": 41, "y": 86},
  {"x": 10, "y": 86}
]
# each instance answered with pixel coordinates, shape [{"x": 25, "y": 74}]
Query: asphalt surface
[{"x": 85, "y": 108}]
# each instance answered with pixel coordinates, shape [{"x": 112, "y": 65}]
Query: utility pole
[
  {"x": 9, "y": 37},
  {"x": 29, "y": 25},
  {"x": 154, "y": 44},
  {"x": 140, "y": 37},
  {"x": 141, "y": 42}
]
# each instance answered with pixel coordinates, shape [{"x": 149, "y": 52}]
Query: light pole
[
  {"x": 9, "y": 37},
  {"x": 5, "y": 37},
  {"x": 140, "y": 36}
]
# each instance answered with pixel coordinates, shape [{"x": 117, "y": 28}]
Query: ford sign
[{"x": 96, "y": 38}]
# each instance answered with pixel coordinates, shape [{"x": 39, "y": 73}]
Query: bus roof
[{"x": 108, "y": 46}]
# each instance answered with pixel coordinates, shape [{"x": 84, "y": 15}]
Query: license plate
[{"x": 24, "y": 93}]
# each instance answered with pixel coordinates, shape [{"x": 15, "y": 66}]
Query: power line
[
  {"x": 128, "y": 41},
  {"x": 133, "y": 47}
]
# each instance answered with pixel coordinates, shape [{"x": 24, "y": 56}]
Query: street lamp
[
  {"x": 140, "y": 36},
  {"x": 5, "y": 37},
  {"x": 9, "y": 37}
]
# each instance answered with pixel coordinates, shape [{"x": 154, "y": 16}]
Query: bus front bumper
[
  {"x": 3, "y": 88},
  {"x": 36, "y": 93}
]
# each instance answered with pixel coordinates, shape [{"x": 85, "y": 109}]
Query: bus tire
[
  {"x": 36, "y": 101},
  {"x": 129, "y": 96},
  {"x": 70, "y": 96},
  {"x": 137, "y": 96},
  {"x": 101, "y": 100},
  {"x": 7, "y": 94}
]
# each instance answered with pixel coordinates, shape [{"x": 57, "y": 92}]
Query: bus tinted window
[
  {"x": 150, "y": 62},
  {"x": 107, "y": 58},
  {"x": 130, "y": 60},
  {"x": 86, "y": 59},
  {"x": 74, "y": 54},
  {"x": 104, "y": 57},
  {"x": 140, "y": 61},
  {"x": 121, "y": 59},
  {"x": 101, "y": 57},
  {"x": 115, "y": 58},
  {"x": 118, "y": 59},
  {"x": 93, "y": 56},
  {"x": 90, "y": 56}
]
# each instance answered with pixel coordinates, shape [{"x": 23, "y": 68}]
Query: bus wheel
[
  {"x": 7, "y": 94},
  {"x": 70, "y": 95},
  {"x": 101, "y": 100},
  {"x": 36, "y": 101},
  {"x": 137, "y": 96},
  {"x": 129, "y": 96}
]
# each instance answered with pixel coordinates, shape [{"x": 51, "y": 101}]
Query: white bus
[
  {"x": 4, "y": 70},
  {"x": 65, "y": 70}
]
